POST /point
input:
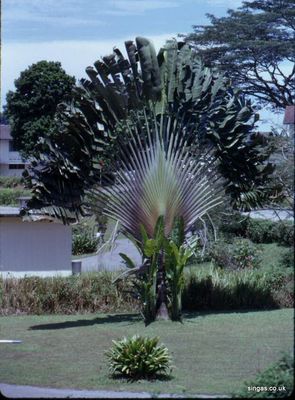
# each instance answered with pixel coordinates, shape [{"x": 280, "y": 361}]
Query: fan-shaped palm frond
[{"x": 161, "y": 178}]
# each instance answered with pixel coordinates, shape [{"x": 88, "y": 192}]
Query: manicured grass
[{"x": 212, "y": 352}]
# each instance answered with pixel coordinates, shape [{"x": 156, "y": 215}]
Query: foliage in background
[
  {"x": 279, "y": 375},
  {"x": 10, "y": 197},
  {"x": 84, "y": 240},
  {"x": 241, "y": 254},
  {"x": 84, "y": 244},
  {"x": 251, "y": 44},
  {"x": 139, "y": 357},
  {"x": 283, "y": 175},
  {"x": 30, "y": 109},
  {"x": 9, "y": 182},
  {"x": 258, "y": 230},
  {"x": 217, "y": 289},
  {"x": 265, "y": 232}
]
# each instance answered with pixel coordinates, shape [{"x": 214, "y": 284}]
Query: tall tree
[
  {"x": 177, "y": 135},
  {"x": 32, "y": 106},
  {"x": 255, "y": 46}
]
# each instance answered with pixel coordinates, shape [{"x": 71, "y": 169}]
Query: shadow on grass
[
  {"x": 188, "y": 315},
  {"x": 158, "y": 377},
  {"x": 130, "y": 318}
]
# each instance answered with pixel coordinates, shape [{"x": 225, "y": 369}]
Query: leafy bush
[
  {"x": 9, "y": 197},
  {"x": 245, "y": 254},
  {"x": 258, "y": 230},
  {"x": 10, "y": 181},
  {"x": 235, "y": 225},
  {"x": 88, "y": 292},
  {"x": 264, "y": 231},
  {"x": 279, "y": 375},
  {"x": 139, "y": 358},
  {"x": 84, "y": 244},
  {"x": 288, "y": 258},
  {"x": 242, "y": 254}
]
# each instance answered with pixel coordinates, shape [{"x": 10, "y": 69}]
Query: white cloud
[
  {"x": 130, "y": 7},
  {"x": 66, "y": 12},
  {"x": 75, "y": 56},
  {"x": 224, "y": 3}
]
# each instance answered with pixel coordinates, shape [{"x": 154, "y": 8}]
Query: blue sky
[{"x": 78, "y": 32}]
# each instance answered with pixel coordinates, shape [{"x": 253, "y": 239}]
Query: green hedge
[{"x": 259, "y": 230}]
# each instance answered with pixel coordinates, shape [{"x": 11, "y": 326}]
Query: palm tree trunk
[{"x": 162, "y": 310}]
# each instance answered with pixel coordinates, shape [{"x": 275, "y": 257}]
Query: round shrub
[
  {"x": 241, "y": 254},
  {"x": 84, "y": 244},
  {"x": 245, "y": 254},
  {"x": 139, "y": 358}
]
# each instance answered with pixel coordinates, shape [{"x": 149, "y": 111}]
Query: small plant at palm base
[{"x": 139, "y": 358}]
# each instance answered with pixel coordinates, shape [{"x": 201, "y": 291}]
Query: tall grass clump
[
  {"x": 219, "y": 289},
  {"x": 89, "y": 292}
]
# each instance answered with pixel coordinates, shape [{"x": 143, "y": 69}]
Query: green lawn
[{"x": 212, "y": 352}]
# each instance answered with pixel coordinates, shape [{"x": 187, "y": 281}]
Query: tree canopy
[
  {"x": 253, "y": 45},
  {"x": 32, "y": 106}
]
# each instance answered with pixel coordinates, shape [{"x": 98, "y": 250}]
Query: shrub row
[
  {"x": 218, "y": 289},
  {"x": 213, "y": 289},
  {"x": 259, "y": 231}
]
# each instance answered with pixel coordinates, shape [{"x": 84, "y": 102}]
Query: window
[
  {"x": 16, "y": 166},
  {"x": 11, "y": 146}
]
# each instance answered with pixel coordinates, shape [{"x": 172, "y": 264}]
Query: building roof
[
  {"x": 289, "y": 118},
  {"x": 5, "y": 132},
  {"x": 32, "y": 215}
]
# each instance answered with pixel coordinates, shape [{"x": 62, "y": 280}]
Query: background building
[{"x": 11, "y": 162}]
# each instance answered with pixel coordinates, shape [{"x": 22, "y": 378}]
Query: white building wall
[
  {"x": 8, "y": 157},
  {"x": 34, "y": 246}
]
